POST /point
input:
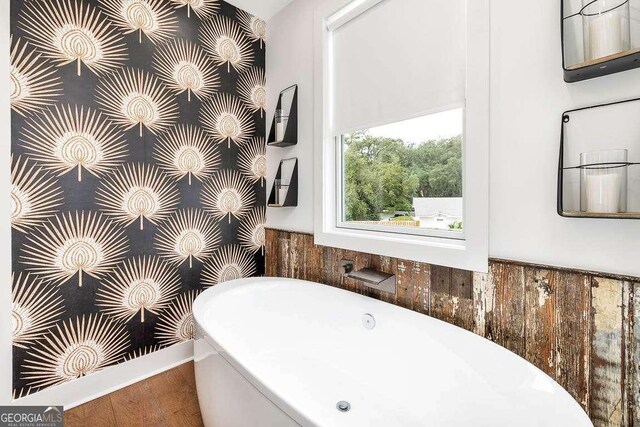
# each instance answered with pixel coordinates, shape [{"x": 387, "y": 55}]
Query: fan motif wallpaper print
[{"x": 138, "y": 175}]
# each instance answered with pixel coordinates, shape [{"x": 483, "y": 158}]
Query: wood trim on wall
[{"x": 581, "y": 328}]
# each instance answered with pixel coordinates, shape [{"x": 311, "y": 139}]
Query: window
[
  {"x": 404, "y": 177},
  {"x": 402, "y": 125}
]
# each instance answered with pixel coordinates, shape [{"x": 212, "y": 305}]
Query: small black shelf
[
  {"x": 576, "y": 67},
  {"x": 291, "y": 132},
  {"x": 599, "y": 127},
  {"x": 291, "y": 198}
]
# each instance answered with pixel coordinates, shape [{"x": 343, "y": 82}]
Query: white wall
[
  {"x": 290, "y": 61},
  {"x": 528, "y": 96}
]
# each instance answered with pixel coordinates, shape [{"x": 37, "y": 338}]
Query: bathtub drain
[{"x": 343, "y": 406}]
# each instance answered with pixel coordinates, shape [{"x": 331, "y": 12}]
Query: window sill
[
  {"x": 400, "y": 231},
  {"x": 431, "y": 250}
]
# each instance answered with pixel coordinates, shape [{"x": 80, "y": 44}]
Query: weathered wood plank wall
[{"x": 582, "y": 329}]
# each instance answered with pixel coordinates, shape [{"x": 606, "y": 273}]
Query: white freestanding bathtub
[{"x": 281, "y": 352}]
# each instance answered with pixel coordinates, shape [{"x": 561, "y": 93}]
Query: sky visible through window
[{"x": 444, "y": 125}]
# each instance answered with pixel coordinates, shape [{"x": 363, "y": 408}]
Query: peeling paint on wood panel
[
  {"x": 539, "y": 309},
  {"x": 421, "y": 274},
  {"x": 384, "y": 263},
  {"x": 331, "y": 267},
  {"x": 628, "y": 370},
  {"x": 440, "y": 280},
  {"x": 572, "y": 332},
  {"x": 462, "y": 284},
  {"x": 484, "y": 300},
  {"x": 461, "y": 312},
  {"x": 404, "y": 283},
  {"x": 634, "y": 379},
  {"x": 606, "y": 398},
  {"x": 313, "y": 260},
  {"x": 283, "y": 254},
  {"x": 412, "y": 281},
  {"x": 271, "y": 250},
  {"x": 440, "y": 293},
  {"x": 462, "y": 299},
  {"x": 297, "y": 254},
  {"x": 328, "y": 262},
  {"x": 453, "y": 310},
  {"x": 483, "y": 296},
  {"x": 509, "y": 327},
  {"x": 442, "y": 306},
  {"x": 491, "y": 316},
  {"x": 451, "y": 296}
]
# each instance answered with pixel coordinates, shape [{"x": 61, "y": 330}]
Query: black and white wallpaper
[{"x": 138, "y": 167}]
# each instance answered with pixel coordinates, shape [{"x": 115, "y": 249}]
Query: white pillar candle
[
  {"x": 603, "y": 193},
  {"x": 282, "y": 195},
  {"x": 605, "y": 34},
  {"x": 279, "y": 131}
]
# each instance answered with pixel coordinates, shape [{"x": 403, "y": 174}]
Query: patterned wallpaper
[{"x": 138, "y": 175}]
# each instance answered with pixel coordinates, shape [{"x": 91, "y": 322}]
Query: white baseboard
[{"x": 113, "y": 378}]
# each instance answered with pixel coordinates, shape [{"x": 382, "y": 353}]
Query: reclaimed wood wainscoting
[{"x": 581, "y": 328}]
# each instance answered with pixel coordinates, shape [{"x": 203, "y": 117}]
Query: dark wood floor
[{"x": 167, "y": 399}]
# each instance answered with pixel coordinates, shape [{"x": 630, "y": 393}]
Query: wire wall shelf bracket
[
  {"x": 599, "y": 166},
  {"x": 599, "y": 37},
  {"x": 284, "y": 191},
  {"x": 284, "y": 126}
]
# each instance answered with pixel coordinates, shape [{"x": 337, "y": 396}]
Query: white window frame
[{"x": 470, "y": 253}]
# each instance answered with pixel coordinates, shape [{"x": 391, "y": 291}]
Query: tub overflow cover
[
  {"x": 368, "y": 321},
  {"x": 343, "y": 406}
]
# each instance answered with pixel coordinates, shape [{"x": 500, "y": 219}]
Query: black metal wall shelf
[
  {"x": 608, "y": 65},
  {"x": 287, "y": 173},
  {"x": 577, "y": 66},
  {"x": 595, "y": 129},
  {"x": 288, "y": 103}
]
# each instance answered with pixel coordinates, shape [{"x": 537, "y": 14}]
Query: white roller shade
[{"x": 398, "y": 60}]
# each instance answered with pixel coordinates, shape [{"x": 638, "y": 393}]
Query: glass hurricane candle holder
[
  {"x": 603, "y": 181},
  {"x": 282, "y": 187},
  {"x": 606, "y": 26}
]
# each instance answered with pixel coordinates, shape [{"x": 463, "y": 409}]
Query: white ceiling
[{"x": 263, "y": 9}]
